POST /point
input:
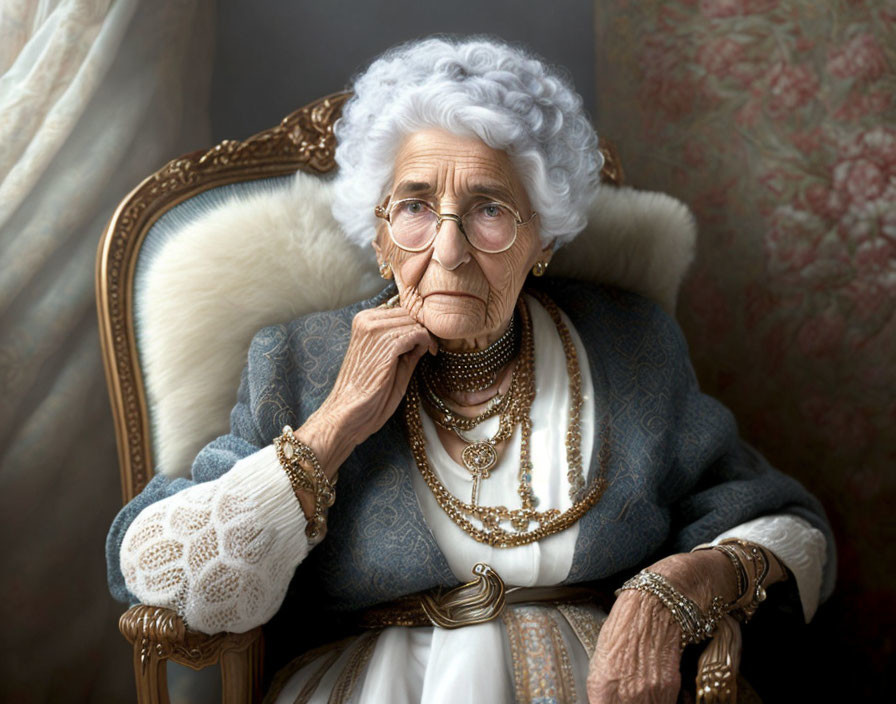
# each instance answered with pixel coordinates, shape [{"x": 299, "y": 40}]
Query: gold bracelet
[
  {"x": 739, "y": 571},
  {"x": 696, "y": 626},
  {"x": 755, "y": 561},
  {"x": 305, "y": 474}
]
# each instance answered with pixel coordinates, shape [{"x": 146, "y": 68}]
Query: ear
[
  {"x": 548, "y": 250},
  {"x": 379, "y": 250}
]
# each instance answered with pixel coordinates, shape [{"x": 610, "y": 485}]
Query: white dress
[{"x": 222, "y": 555}]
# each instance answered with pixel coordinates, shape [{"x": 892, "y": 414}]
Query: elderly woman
[{"x": 532, "y": 440}]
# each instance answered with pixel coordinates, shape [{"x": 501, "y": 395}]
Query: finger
[
  {"x": 370, "y": 334},
  {"x": 377, "y": 318},
  {"x": 384, "y": 312},
  {"x": 408, "y": 361},
  {"x": 432, "y": 342},
  {"x": 401, "y": 327},
  {"x": 374, "y": 323},
  {"x": 413, "y": 303},
  {"x": 372, "y": 314},
  {"x": 399, "y": 334},
  {"x": 403, "y": 371},
  {"x": 408, "y": 338},
  {"x": 409, "y": 351}
]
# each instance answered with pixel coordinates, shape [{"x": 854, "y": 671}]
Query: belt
[{"x": 481, "y": 600}]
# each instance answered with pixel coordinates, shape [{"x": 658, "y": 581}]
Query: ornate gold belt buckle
[{"x": 479, "y": 601}]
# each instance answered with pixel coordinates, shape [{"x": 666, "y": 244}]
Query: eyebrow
[
  {"x": 495, "y": 191},
  {"x": 413, "y": 187}
]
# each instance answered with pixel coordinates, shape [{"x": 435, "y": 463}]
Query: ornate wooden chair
[
  {"x": 178, "y": 192},
  {"x": 151, "y": 405}
]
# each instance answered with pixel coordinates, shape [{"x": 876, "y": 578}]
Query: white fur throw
[{"x": 274, "y": 256}]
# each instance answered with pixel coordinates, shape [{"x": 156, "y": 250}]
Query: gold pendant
[{"x": 479, "y": 458}]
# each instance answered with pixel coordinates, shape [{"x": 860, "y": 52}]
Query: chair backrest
[
  {"x": 302, "y": 141},
  {"x": 217, "y": 244}
]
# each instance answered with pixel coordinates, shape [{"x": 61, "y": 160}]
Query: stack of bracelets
[
  {"x": 751, "y": 566},
  {"x": 305, "y": 474}
]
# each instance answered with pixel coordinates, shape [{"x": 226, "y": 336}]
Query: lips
[
  {"x": 465, "y": 284},
  {"x": 458, "y": 294}
]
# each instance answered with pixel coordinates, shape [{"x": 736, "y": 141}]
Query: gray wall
[{"x": 275, "y": 56}]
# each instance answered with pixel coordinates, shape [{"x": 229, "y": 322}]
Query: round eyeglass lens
[
  {"x": 490, "y": 227},
  {"x": 413, "y": 224}
]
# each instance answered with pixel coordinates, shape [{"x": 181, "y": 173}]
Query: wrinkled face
[{"x": 461, "y": 295}]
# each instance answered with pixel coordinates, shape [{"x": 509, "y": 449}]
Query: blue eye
[
  {"x": 492, "y": 210},
  {"x": 414, "y": 207}
]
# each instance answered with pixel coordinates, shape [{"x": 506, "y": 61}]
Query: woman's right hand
[{"x": 385, "y": 346}]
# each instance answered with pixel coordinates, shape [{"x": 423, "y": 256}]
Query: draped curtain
[{"x": 94, "y": 96}]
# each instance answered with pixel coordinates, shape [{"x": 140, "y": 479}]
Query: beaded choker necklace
[{"x": 474, "y": 371}]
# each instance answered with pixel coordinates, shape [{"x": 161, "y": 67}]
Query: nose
[{"x": 450, "y": 247}]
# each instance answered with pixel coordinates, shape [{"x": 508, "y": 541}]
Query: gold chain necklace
[
  {"x": 449, "y": 419},
  {"x": 550, "y": 521}
]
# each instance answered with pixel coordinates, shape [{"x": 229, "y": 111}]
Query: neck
[{"x": 477, "y": 370}]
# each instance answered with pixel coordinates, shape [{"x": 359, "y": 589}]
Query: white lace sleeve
[
  {"x": 220, "y": 553},
  {"x": 797, "y": 544}
]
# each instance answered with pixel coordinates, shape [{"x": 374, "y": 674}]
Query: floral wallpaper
[{"x": 775, "y": 120}]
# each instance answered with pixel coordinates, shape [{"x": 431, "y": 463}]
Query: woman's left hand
[{"x": 639, "y": 647}]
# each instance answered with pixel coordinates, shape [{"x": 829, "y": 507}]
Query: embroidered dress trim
[
  {"x": 354, "y": 669},
  {"x": 312, "y": 684},
  {"x": 585, "y": 623},
  {"x": 542, "y": 672}
]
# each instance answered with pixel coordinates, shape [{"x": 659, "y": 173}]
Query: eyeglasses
[{"x": 489, "y": 227}]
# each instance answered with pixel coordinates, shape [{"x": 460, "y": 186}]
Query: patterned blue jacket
[{"x": 678, "y": 474}]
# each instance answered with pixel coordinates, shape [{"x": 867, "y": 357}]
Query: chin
[{"x": 449, "y": 321}]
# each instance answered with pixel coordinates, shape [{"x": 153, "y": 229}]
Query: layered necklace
[{"x": 480, "y": 457}]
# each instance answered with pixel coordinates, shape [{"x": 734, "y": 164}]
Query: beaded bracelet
[
  {"x": 696, "y": 626},
  {"x": 305, "y": 474}
]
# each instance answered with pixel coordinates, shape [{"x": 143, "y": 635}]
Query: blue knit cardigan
[{"x": 677, "y": 475}]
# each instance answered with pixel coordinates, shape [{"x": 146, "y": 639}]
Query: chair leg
[
  {"x": 150, "y": 673},
  {"x": 241, "y": 674}
]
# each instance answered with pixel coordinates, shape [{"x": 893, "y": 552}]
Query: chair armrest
[{"x": 158, "y": 634}]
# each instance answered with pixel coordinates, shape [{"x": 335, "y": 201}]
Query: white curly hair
[{"x": 479, "y": 86}]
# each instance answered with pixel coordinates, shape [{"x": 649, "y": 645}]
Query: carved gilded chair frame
[{"x": 302, "y": 141}]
